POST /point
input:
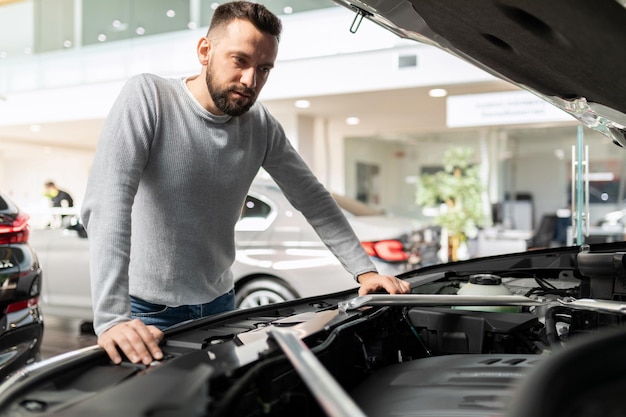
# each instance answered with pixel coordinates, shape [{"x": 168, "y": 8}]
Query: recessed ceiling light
[
  {"x": 119, "y": 26},
  {"x": 302, "y": 104},
  {"x": 353, "y": 121},
  {"x": 140, "y": 31},
  {"x": 438, "y": 92},
  {"x": 288, "y": 10},
  {"x": 102, "y": 37},
  {"x": 170, "y": 13}
]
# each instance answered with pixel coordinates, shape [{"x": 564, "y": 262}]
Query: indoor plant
[{"x": 457, "y": 191}]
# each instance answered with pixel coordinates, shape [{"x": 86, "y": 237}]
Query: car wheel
[{"x": 263, "y": 291}]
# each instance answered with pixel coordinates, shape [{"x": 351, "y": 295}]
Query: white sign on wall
[{"x": 511, "y": 107}]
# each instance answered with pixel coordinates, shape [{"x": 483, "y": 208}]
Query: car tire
[{"x": 263, "y": 291}]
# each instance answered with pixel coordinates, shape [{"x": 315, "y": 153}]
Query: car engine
[{"x": 441, "y": 351}]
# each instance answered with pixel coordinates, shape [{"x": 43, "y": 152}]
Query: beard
[{"x": 220, "y": 96}]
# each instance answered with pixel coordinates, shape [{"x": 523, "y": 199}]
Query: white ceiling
[{"x": 392, "y": 114}]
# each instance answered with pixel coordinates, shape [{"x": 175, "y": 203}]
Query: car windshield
[{"x": 3, "y": 204}]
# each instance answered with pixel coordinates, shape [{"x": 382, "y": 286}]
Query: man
[
  {"x": 58, "y": 198},
  {"x": 171, "y": 171}
]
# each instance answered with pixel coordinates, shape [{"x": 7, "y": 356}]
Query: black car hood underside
[{"x": 571, "y": 53}]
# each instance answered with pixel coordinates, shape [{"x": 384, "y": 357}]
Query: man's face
[{"x": 240, "y": 60}]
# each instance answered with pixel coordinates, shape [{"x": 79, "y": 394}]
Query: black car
[
  {"x": 536, "y": 333},
  {"x": 21, "y": 323}
]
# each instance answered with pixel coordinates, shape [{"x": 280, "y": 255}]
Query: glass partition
[
  {"x": 112, "y": 20},
  {"x": 36, "y": 26}
]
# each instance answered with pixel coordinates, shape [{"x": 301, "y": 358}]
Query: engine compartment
[
  {"x": 399, "y": 360},
  {"x": 434, "y": 352}
]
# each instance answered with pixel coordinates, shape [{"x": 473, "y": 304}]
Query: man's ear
[{"x": 203, "y": 50}]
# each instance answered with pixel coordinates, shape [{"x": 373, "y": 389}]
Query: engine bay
[{"x": 443, "y": 350}]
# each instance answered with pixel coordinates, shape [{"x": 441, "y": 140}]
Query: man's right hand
[{"x": 140, "y": 343}]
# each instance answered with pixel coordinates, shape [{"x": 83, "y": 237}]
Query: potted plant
[{"x": 457, "y": 191}]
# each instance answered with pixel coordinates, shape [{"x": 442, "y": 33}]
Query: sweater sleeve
[
  {"x": 310, "y": 197},
  {"x": 120, "y": 157}
]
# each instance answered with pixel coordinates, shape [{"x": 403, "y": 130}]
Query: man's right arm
[{"x": 118, "y": 162}]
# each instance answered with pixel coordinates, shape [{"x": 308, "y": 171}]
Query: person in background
[
  {"x": 59, "y": 198},
  {"x": 172, "y": 168}
]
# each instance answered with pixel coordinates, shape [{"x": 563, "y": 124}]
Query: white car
[{"x": 279, "y": 257}]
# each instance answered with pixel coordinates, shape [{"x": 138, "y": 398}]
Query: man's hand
[
  {"x": 372, "y": 281},
  {"x": 140, "y": 343}
]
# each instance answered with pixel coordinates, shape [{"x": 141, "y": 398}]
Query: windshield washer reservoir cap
[{"x": 485, "y": 279}]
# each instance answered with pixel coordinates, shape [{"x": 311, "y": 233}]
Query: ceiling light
[
  {"x": 288, "y": 10},
  {"x": 170, "y": 13},
  {"x": 119, "y": 26},
  {"x": 102, "y": 37},
  {"x": 302, "y": 104},
  {"x": 438, "y": 92},
  {"x": 353, "y": 121},
  {"x": 35, "y": 128},
  {"x": 140, "y": 31}
]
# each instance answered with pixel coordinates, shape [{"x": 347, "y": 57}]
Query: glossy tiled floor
[{"x": 62, "y": 335}]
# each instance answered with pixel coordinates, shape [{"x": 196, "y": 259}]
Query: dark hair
[{"x": 255, "y": 13}]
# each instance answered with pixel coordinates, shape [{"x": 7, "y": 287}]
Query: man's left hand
[{"x": 372, "y": 282}]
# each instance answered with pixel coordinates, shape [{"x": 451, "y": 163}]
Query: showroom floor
[{"x": 62, "y": 335}]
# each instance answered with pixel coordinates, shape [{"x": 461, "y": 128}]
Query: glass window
[
  {"x": 35, "y": 26},
  {"x": 17, "y": 39},
  {"x": 255, "y": 208},
  {"x": 279, "y": 7},
  {"x": 104, "y": 21},
  {"x": 54, "y": 25}
]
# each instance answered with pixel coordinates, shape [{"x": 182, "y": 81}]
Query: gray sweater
[{"x": 166, "y": 188}]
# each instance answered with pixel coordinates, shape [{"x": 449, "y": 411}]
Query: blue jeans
[{"x": 163, "y": 316}]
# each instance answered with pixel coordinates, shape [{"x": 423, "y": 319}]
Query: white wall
[{"x": 25, "y": 169}]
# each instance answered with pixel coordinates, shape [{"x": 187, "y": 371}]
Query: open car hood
[{"x": 568, "y": 52}]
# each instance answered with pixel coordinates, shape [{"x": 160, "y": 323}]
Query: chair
[{"x": 545, "y": 233}]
